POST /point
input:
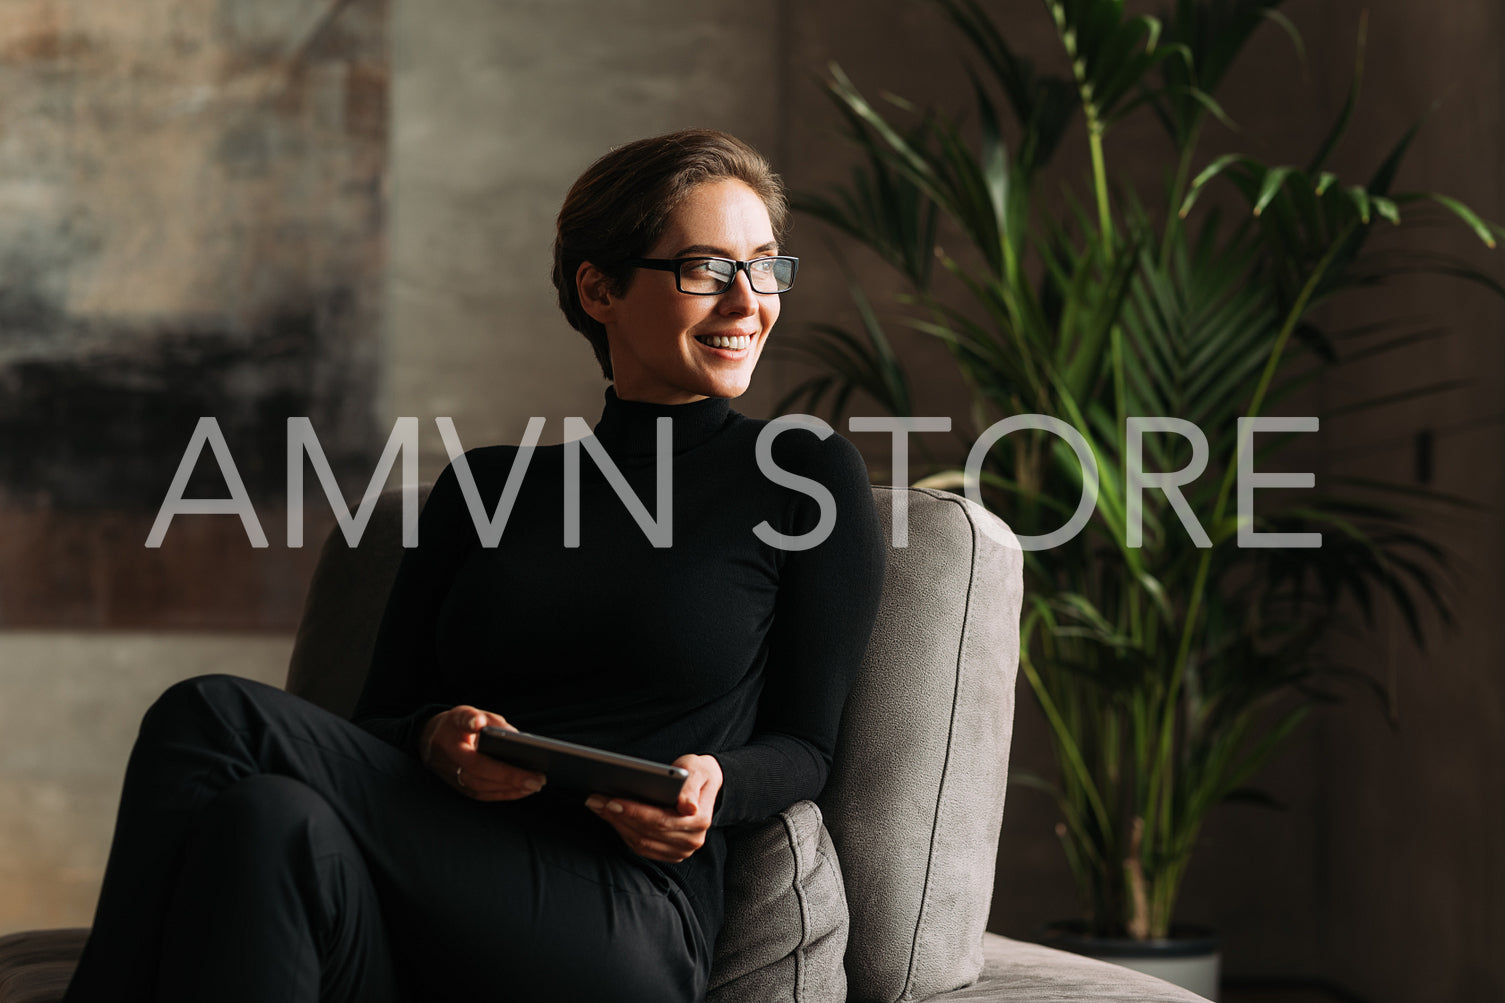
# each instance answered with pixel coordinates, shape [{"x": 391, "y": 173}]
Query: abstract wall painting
[{"x": 192, "y": 223}]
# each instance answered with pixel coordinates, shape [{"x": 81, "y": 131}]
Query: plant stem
[
  {"x": 1099, "y": 175},
  {"x": 1293, "y": 317},
  {"x": 1070, "y": 752},
  {"x": 1120, "y": 380},
  {"x": 1095, "y": 126},
  {"x": 1160, "y": 799}
]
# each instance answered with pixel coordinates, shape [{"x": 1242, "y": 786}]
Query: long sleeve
[
  {"x": 718, "y": 644},
  {"x": 576, "y": 624},
  {"x": 827, "y": 602},
  {"x": 400, "y": 693}
]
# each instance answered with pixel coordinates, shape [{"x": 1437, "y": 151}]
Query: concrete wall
[
  {"x": 70, "y": 704},
  {"x": 496, "y": 111}
]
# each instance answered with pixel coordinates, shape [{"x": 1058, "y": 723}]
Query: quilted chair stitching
[{"x": 801, "y": 872}]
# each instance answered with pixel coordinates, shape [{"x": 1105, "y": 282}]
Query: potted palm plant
[{"x": 1170, "y": 647}]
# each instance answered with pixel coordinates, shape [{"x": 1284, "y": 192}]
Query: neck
[{"x": 630, "y": 428}]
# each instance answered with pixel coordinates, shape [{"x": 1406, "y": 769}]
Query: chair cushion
[
  {"x": 1016, "y": 970},
  {"x": 786, "y": 914}
]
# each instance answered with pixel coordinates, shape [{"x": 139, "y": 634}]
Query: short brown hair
[{"x": 618, "y": 208}]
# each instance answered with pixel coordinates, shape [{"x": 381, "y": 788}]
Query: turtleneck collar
[{"x": 630, "y": 428}]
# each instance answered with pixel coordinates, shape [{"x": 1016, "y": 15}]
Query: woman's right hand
[{"x": 448, "y": 748}]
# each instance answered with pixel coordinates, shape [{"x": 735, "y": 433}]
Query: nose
[{"x": 739, "y": 300}]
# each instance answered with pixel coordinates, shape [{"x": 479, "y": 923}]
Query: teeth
[{"x": 734, "y": 343}]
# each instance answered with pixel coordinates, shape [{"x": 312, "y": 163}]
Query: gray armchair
[{"x": 881, "y": 891}]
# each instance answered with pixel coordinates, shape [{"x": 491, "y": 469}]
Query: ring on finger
[{"x": 460, "y": 777}]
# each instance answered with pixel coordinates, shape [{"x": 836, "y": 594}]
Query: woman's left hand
[{"x": 668, "y": 835}]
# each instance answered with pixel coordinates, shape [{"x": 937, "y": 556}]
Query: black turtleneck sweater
[{"x": 718, "y": 644}]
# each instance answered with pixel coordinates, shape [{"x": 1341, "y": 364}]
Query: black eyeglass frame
[{"x": 674, "y": 264}]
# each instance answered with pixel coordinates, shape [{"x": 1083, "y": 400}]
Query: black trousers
[{"x": 267, "y": 850}]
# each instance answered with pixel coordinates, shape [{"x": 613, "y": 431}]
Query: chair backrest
[
  {"x": 346, "y": 596},
  {"x": 915, "y": 799}
]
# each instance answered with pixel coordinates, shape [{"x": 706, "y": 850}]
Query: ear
[{"x": 594, "y": 290}]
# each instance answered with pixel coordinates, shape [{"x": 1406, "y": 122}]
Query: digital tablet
[{"x": 582, "y": 768}]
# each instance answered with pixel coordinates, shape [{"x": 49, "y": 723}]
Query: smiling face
[{"x": 668, "y": 347}]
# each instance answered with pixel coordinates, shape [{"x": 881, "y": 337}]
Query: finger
[
  {"x": 468, "y": 722},
  {"x": 504, "y": 791},
  {"x": 691, "y": 794},
  {"x": 468, "y": 718},
  {"x": 649, "y": 830},
  {"x": 497, "y": 771},
  {"x": 498, "y": 792},
  {"x": 701, "y": 788},
  {"x": 649, "y": 841},
  {"x": 482, "y": 774},
  {"x": 500, "y": 795},
  {"x": 491, "y": 720},
  {"x": 637, "y": 814},
  {"x": 633, "y": 826},
  {"x": 489, "y": 775},
  {"x": 671, "y": 849},
  {"x": 664, "y": 856},
  {"x": 651, "y": 845},
  {"x": 657, "y": 849}
]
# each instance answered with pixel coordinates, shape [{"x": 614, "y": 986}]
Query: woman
[{"x": 267, "y": 850}]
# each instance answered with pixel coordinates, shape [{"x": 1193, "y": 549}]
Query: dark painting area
[{"x": 192, "y": 213}]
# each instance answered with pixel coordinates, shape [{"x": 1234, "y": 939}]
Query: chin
[{"x": 730, "y": 389}]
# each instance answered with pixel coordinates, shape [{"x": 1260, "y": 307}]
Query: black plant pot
[{"x": 1190, "y": 957}]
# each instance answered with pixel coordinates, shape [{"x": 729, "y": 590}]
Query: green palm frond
[
  {"x": 1169, "y": 673},
  {"x": 848, "y": 364}
]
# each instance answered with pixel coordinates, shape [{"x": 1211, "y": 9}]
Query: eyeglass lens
[{"x": 714, "y": 275}]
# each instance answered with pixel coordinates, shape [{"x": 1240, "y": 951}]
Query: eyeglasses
[{"x": 714, "y": 276}]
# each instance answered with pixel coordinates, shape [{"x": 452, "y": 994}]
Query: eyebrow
[{"x": 695, "y": 250}]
